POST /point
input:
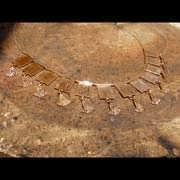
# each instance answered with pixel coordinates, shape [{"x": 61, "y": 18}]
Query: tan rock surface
[{"x": 100, "y": 52}]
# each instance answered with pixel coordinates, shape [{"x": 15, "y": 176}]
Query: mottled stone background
[{"x": 99, "y": 52}]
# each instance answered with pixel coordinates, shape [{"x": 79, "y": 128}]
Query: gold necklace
[{"x": 154, "y": 73}]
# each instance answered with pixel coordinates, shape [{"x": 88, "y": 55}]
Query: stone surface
[
  {"x": 170, "y": 134},
  {"x": 97, "y": 52}
]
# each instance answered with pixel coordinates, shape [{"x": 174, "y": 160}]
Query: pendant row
[{"x": 155, "y": 72}]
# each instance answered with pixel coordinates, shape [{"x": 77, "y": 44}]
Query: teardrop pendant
[
  {"x": 40, "y": 91},
  {"x": 63, "y": 99}
]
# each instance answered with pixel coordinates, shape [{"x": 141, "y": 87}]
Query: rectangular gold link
[
  {"x": 154, "y": 61},
  {"x": 152, "y": 78},
  {"x": 33, "y": 69},
  {"x": 47, "y": 77},
  {"x": 63, "y": 84},
  {"x": 154, "y": 70},
  {"x": 105, "y": 92},
  {"x": 126, "y": 90},
  {"x": 140, "y": 85},
  {"x": 22, "y": 61}
]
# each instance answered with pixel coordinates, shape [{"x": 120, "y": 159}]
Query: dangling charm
[
  {"x": 138, "y": 107},
  {"x": 154, "y": 100},
  {"x": 40, "y": 91},
  {"x": 63, "y": 99},
  {"x": 11, "y": 72},
  {"x": 113, "y": 109},
  {"x": 86, "y": 104},
  {"x": 26, "y": 81}
]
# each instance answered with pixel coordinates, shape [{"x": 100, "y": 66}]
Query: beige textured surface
[{"x": 100, "y": 52}]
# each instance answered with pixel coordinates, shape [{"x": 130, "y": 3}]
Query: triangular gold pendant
[
  {"x": 63, "y": 100},
  {"x": 87, "y": 106}
]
